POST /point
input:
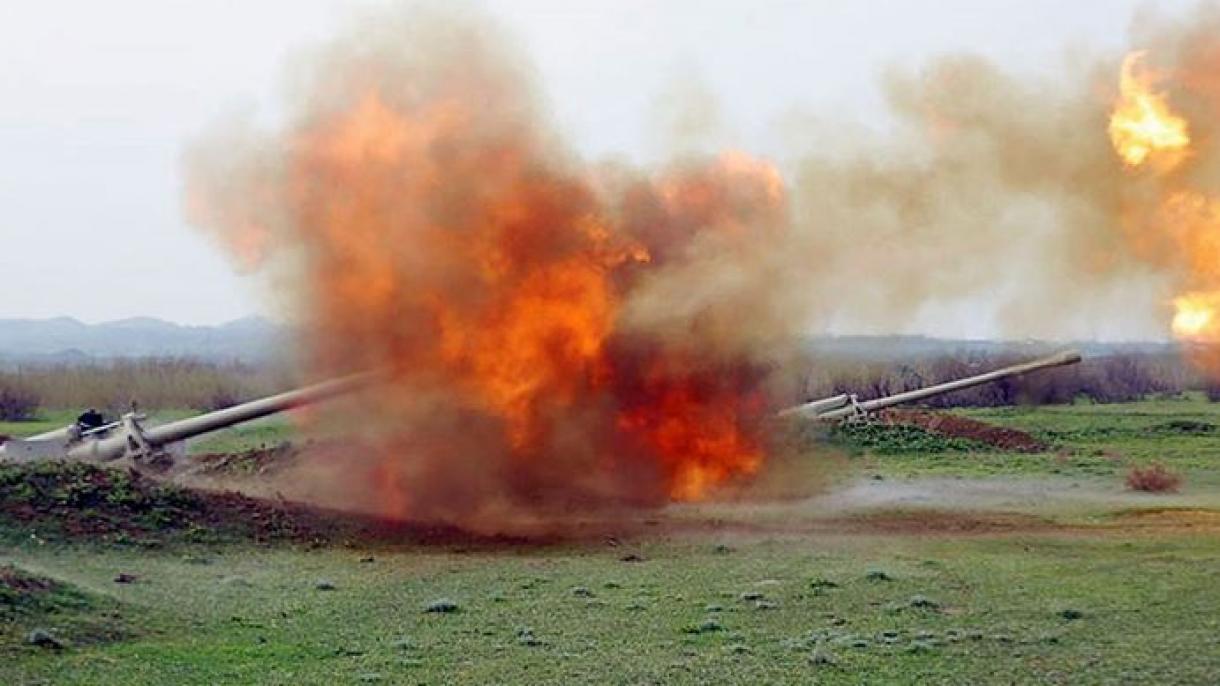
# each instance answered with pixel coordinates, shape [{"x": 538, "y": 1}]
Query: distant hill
[{"x": 64, "y": 339}]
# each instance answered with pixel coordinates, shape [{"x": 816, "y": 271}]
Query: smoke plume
[{"x": 563, "y": 335}]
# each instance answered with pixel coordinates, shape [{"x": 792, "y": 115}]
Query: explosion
[
  {"x": 1142, "y": 124},
  {"x": 1153, "y": 140},
  {"x": 436, "y": 230}
]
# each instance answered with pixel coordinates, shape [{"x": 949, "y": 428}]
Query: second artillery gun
[{"x": 848, "y": 406}]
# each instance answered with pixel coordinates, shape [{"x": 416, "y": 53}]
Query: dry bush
[
  {"x": 1213, "y": 392},
  {"x": 1154, "y": 478},
  {"x": 18, "y": 402}
]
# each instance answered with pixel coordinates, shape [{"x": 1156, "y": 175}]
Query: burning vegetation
[{"x": 563, "y": 334}]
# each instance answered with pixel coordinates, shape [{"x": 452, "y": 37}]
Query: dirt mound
[
  {"x": 79, "y": 499},
  {"x": 57, "y": 500},
  {"x": 37, "y": 613},
  {"x": 955, "y": 426},
  {"x": 13, "y": 580},
  {"x": 254, "y": 462}
]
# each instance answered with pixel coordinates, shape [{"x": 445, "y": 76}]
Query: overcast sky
[{"x": 97, "y": 100}]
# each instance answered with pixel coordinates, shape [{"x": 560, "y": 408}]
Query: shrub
[
  {"x": 1213, "y": 391},
  {"x": 17, "y": 402},
  {"x": 1154, "y": 478}
]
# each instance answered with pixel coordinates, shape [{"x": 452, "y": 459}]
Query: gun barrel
[
  {"x": 1056, "y": 360},
  {"x": 115, "y": 446}
]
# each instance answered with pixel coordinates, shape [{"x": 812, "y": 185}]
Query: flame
[
  {"x": 1195, "y": 316},
  {"x": 1142, "y": 125},
  {"x": 1184, "y": 225}
]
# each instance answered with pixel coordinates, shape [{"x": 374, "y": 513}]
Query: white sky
[{"x": 98, "y": 98}]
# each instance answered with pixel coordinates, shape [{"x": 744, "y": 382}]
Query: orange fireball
[{"x": 1142, "y": 127}]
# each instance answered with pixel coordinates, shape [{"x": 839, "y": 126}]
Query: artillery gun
[
  {"x": 161, "y": 445},
  {"x": 847, "y": 406}
]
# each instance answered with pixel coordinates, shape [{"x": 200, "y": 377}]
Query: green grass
[
  {"x": 1148, "y": 613},
  {"x": 724, "y": 593},
  {"x": 1088, "y": 441},
  {"x": 63, "y": 613}
]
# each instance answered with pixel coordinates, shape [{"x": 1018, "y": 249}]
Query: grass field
[{"x": 923, "y": 564}]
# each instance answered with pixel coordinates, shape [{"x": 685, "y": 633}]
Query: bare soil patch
[{"x": 954, "y": 426}]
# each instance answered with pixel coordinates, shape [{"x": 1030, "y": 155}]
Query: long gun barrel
[
  {"x": 137, "y": 441},
  {"x": 844, "y": 406}
]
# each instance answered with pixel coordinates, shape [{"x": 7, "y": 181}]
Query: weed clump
[
  {"x": 442, "y": 606},
  {"x": 820, "y": 584},
  {"x": 878, "y": 575},
  {"x": 1154, "y": 478},
  {"x": 707, "y": 626}
]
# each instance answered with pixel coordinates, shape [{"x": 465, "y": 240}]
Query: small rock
[
  {"x": 751, "y": 596},
  {"x": 442, "y": 605},
  {"x": 632, "y": 557},
  {"x": 916, "y": 647},
  {"x": 368, "y": 559},
  {"x": 612, "y": 585},
  {"x": 707, "y": 626},
  {"x": 974, "y": 635},
  {"x": 859, "y": 643},
  {"x": 820, "y": 584},
  {"x": 1002, "y": 638},
  {"x": 923, "y": 602},
  {"x": 125, "y": 578},
  {"x": 713, "y": 608},
  {"x": 837, "y": 621},
  {"x": 878, "y": 575},
  {"x": 582, "y": 592},
  {"x": 822, "y": 657},
  {"x": 739, "y": 649},
  {"x": 43, "y": 639},
  {"x": 370, "y": 678},
  {"x": 403, "y": 644},
  {"x": 722, "y": 549},
  {"x": 324, "y": 585},
  {"x": 525, "y": 636},
  {"x": 1070, "y": 614},
  {"x": 765, "y": 605}
]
